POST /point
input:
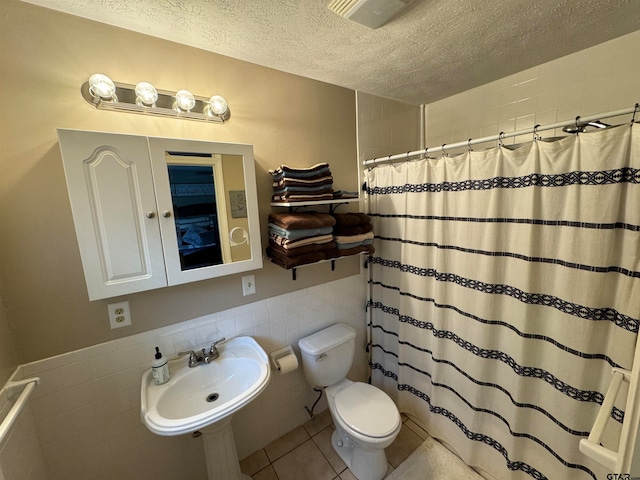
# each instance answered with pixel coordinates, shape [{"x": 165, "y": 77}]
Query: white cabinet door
[{"x": 111, "y": 189}]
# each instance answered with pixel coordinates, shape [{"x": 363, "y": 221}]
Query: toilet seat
[{"x": 367, "y": 410}]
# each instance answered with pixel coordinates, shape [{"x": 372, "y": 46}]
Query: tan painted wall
[{"x": 44, "y": 58}]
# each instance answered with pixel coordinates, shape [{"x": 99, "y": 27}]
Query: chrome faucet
[
  {"x": 194, "y": 358},
  {"x": 198, "y": 358},
  {"x": 213, "y": 351}
]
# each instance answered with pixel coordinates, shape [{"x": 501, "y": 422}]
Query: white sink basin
[{"x": 197, "y": 397}]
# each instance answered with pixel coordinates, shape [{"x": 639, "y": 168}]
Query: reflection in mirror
[
  {"x": 208, "y": 199},
  {"x": 195, "y": 215}
]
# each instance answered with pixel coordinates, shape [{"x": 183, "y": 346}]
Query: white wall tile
[{"x": 592, "y": 81}]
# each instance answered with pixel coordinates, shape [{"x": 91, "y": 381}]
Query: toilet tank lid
[{"x": 326, "y": 339}]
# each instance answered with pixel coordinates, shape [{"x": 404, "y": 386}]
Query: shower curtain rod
[{"x": 501, "y": 136}]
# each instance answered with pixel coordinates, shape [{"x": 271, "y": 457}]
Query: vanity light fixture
[
  {"x": 101, "y": 86},
  {"x": 217, "y": 106},
  {"x": 101, "y": 92},
  {"x": 185, "y": 101},
  {"x": 146, "y": 94}
]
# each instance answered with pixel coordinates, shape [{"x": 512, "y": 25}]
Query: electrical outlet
[
  {"x": 119, "y": 315},
  {"x": 248, "y": 285}
]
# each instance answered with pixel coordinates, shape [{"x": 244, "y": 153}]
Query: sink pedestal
[{"x": 220, "y": 451}]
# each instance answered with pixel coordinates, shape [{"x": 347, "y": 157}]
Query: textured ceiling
[{"x": 431, "y": 50}]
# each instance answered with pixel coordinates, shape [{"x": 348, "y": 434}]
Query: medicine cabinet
[{"x": 152, "y": 212}]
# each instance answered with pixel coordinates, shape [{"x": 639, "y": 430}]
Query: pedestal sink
[{"x": 205, "y": 398}]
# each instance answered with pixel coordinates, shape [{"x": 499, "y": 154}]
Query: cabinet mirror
[
  {"x": 151, "y": 212},
  {"x": 212, "y": 205}
]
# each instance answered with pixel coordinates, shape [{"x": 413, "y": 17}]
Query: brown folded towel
[
  {"x": 298, "y": 197},
  {"x": 357, "y": 250},
  {"x": 297, "y": 260},
  {"x": 344, "y": 231},
  {"x": 299, "y": 182},
  {"x": 303, "y": 220},
  {"x": 351, "y": 219},
  {"x": 290, "y": 252}
]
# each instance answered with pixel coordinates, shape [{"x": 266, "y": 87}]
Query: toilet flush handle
[{"x": 321, "y": 357}]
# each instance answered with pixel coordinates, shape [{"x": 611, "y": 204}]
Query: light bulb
[
  {"x": 218, "y": 105},
  {"x": 146, "y": 94},
  {"x": 102, "y": 86},
  {"x": 185, "y": 100}
]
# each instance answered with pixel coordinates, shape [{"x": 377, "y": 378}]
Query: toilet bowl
[{"x": 365, "y": 418}]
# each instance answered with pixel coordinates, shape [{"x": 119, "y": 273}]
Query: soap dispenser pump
[{"x": 159, "y": 369}]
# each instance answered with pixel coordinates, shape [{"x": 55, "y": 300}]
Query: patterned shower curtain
[{"x": 504, "y": 287}]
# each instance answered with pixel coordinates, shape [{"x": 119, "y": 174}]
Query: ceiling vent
[{"x": 371, "y": 13}]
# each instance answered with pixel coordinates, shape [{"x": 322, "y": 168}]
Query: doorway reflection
[{"x": 196, "y": 215}]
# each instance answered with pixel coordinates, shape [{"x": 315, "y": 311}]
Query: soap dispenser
[{"x": 159, "y": 369}]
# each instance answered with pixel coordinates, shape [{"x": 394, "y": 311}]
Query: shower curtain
[{"x": 504, "y": 287}]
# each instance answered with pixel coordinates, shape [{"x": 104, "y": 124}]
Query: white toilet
[{"x": 366, "y": 419}]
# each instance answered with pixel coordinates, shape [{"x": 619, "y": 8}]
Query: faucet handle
[
  {"x": 213, "y": 351},
  {"x": 193, "y": 357}
]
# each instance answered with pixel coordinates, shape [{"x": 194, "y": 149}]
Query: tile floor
[{"x": 306, "y": 452}]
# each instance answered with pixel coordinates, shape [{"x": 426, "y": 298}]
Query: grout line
[{"x": 322, "y": 453}]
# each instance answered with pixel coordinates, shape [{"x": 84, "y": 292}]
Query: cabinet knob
[
  {"x": 151, "y": 214},
  {"x": 166, "y": 214}
]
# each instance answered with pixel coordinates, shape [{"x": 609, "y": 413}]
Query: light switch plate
[{"x": 248, "y": 285}]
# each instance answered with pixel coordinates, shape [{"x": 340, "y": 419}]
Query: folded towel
[
  {"x": 346, "y": 246},
  {"x": 352, "y": 230},
  {"x": 308, "y": 190},
  {"x": 289, "y": 252},
  {"x": 300, "y": 233},
  {"x": 357, "y": 250},
  {"x": 286, "y": 243},
  {"x": 351, "y": 218},
  {"x": 290, "y": 197},
  {"x": 299, "y": 220},
  {"x": 297, "y": 260},
  {"x": 353, "y": 238},
  {"x": 303, "y": 182},
  {"x": 284, "y": 171},
  {"x": 344, "y": 194}
]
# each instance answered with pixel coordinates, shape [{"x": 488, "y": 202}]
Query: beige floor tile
[
  {"x": 347, "y": 475},
  {"x": 389, "y": 470},
  {"x": 417, "y": 429},
  {"x": 323, "y": 441},
  {"x": 318, "y": 423},
  {"x": 265, "y": 474},
  {"x": 254, "y": 462},
  {"x": 403, "y": 446},
  {"x": 307, "y": 462},
  {"x": 286, "y": 443}
]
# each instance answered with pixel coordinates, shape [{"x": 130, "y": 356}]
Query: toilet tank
[{"x": 327, "y": 355}]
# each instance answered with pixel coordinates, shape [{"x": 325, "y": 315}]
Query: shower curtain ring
[
  {"x": 500, "y": 138},
  {"x": 536, "y": 137},
  {"x": 408, "y": 155},
  {"x": 444, "y": 152},
  {"x": 635, "y": 110},
  {"x": 389, "y": 160},
  {"x": 469, "y": 145},
  {"x": 578, "y": 129}
]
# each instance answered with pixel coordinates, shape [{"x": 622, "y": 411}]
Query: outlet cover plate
[{"x": 119, "y": 314}]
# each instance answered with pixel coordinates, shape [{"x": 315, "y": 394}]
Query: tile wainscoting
[{"x": 87, "y": 409}]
